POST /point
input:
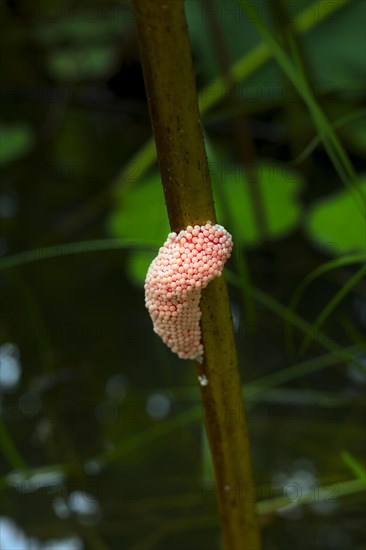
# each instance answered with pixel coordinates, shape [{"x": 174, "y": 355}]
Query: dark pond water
[{"x": 102, "y": 436}]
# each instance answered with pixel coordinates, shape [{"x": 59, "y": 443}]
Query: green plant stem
[
  {"x": 331, "y": 305},
  {"x": 169, "y": 79},
  {"x": 310, "y": 278},
  {"x": 68, "y": 249},
  {"x": 297, "y": 321},
  {"x": 335, "y": 124},
  {"x": 10, "y": 450},
  {"x": 356, "y": 468},
  {"x": 327, "y": 493},
  {"x": 295, "y": 74}
]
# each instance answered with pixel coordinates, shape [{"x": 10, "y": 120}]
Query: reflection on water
[
  {"x": 85, "y": 506},
  {"x": 158, "y": 406},
  {"x": 13, "y": 538},
  {"x": 31, "y": 483},
  {"x": 10, "y": 366},
  {"x": 116, "y": 387}
]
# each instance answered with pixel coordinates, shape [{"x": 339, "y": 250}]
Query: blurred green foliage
[
  {"x": 337, "y": 219},
  {"x": 101, "y": 406},
  {"x": 16, "y": 140}
]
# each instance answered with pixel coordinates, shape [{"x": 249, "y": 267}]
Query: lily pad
[
  {"x": 141, "y": 214},
  {"x": 278, "y": 187},
  {"x": 338, "y": 224},
  {"x": 141, "y": 217}
]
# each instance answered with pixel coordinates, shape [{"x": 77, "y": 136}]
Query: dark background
[{"x": 101, "y": 431}]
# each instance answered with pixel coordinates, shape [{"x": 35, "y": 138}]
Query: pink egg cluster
[{"x": 185, "y": 264}]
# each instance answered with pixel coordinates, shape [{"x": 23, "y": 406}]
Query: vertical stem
[{"x": 169, "y": 79}]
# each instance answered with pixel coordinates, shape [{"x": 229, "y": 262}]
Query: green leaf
[
  {"x": 140, "y": 216},
  {"x": 15, "y": 141},
  {"x": 355, "y": 134},
  {"x": 354, "y": 465},
  {"x": 138, "y": 264},
  {"x": 78, "y": 64},
  {"x": 279, "y": 187},
  {"x": 337, "y": 224}
]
